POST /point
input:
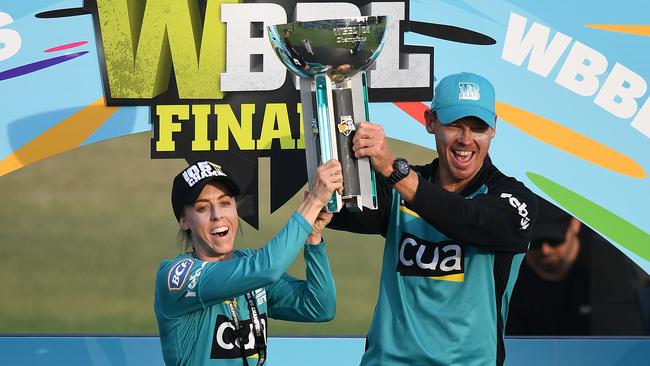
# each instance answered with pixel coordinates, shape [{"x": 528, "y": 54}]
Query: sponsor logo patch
[
  {"x": 193, "y": 279},
  {"x": 225, "y": 344},
  {"x": 178, "y": 274},
  {"x": 521, "y": 209},
  {"x": 443, "y": 260}
]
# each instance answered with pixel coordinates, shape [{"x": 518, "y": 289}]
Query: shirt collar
[{"x": 477, "y": 181}]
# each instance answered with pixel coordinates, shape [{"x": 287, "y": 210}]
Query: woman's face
[{"x": 213, "y": 222}]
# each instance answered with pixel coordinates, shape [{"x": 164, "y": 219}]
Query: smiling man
[{"x": 456, "y": 230}]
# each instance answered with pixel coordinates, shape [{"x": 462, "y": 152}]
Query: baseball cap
[
  {"x": 189, "y": 183},
  {"x": 552, "y": 223},
  {"x": 462, "y": 95}
]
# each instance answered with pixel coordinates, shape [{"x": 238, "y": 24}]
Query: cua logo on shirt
[
  {"x": 419, "y": 257},
  {"x": 225, "y": 343}
]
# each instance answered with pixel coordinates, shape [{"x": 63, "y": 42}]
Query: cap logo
[
  {"x": 469, "y": 91},
  {"x": 200, "y": 170}
]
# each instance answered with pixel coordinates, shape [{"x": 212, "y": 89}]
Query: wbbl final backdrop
[{"x": 102, "y": 102}]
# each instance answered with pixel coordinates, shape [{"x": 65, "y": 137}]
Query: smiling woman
[
  {"x": 214, "y": 217},
  {"x": 212, "y": 302}
]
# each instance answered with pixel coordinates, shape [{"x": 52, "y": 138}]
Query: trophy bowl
[
  {"x": 330, "y": 58},
  {"x": 339, "y": 48}
]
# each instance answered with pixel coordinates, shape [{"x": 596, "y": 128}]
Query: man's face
[
  {"x": 462, "y": 146},
  {"x": 214, "y": 221},
  {"x": 552, "y": 256}
]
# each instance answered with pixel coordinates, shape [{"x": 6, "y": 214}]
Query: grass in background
[{"x": 82, "y": 235}]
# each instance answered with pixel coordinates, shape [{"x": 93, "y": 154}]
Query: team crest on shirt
[
  {"x": 178, "y": 274},
  {"x": 225, "y": 344},
  {"x": 442, "y": 260}
]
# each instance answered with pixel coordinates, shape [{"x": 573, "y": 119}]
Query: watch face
[{"x": 402, "y": 167}]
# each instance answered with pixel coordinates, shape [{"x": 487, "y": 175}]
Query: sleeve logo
[
  {"x": 193, "y": 280},
  {"x": 178, "y": 274},
  {"x": 521, "y": 208}
]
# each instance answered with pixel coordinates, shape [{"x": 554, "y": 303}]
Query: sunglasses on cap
[{"x": 537, "y": 243}]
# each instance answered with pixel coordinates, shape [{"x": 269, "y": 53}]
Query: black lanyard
[{"x": 260, "y": 342}]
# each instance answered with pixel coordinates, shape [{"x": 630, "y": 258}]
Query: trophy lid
[{"x": 339, "y": 48}]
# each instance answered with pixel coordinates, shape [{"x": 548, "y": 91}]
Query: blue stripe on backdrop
[{"x": 130, "y": 351}]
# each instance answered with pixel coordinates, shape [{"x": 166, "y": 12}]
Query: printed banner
[{"x": 571, "y": 82}]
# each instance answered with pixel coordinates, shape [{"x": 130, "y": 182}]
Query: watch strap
[{"x": 398, "y": 175}]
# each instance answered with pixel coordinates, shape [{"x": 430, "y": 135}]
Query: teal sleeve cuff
[
  {"x": 302, "y": 222},
  {"x": 315, "y": 247}
]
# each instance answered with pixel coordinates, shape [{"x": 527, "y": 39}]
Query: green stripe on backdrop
[{"x": 599, "y": 218}]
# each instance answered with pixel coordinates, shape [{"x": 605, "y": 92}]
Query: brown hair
[{"x": 184, "y": 240}]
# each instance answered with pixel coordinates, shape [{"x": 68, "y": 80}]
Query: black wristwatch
[{"x": 400, "y": 170}]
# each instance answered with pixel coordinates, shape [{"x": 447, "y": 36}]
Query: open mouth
[
  {"x": 220, "y": 231},
  {"x": 462, "y": 156}
]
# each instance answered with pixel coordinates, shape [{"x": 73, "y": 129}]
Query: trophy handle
[
  {"x": 362, "y": 113},
  {"x": 373, "y": 184},
  {"x": 325, "y": 130}
]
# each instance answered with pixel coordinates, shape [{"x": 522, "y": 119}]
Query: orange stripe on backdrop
[
  {"x": 413, "y": 109},
  {"x": 66, "y": 135},
  {"x": 639, "y": 30},
  {"x": 570, "y": 141}
]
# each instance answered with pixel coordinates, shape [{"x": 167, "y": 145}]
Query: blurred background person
[{"x": 573, "y": 283}]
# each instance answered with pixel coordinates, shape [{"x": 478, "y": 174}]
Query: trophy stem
[
  {"x": 325, "y": 114},
  {"x": 346, "y": 127}
]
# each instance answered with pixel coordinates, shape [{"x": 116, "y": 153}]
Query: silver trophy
[{"x": 330, "y": 58}]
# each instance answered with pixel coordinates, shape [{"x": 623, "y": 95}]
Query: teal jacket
[
  {"x": 450, "y": 263},
  {"x": 195, "y": 322}
]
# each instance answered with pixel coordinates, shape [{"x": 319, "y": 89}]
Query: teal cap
[{"x": 463, "y": 95}]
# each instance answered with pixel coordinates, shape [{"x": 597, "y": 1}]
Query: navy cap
[
  {"x": 464, "y": 95},
  {"x": 189, "y": 183},
  {"x": 552, "y": 222}
]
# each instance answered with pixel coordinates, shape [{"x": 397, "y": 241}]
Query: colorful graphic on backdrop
[
  {"x": 217, "y": 90},
  {"x": 572, "y": 86}
]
